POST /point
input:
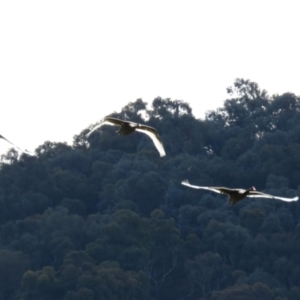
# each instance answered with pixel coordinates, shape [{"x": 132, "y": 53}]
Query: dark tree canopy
[{"x": 107, "y": 218}]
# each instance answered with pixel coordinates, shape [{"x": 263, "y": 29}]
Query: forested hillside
[{"x": 108, "y": 219}]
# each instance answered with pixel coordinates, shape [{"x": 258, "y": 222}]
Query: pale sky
[{"x": 66, "y": 64}]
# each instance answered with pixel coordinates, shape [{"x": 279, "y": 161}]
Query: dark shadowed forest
[{"x": 106, "y": 218}]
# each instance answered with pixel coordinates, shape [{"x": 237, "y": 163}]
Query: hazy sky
[{"x": 66, "y": 64}]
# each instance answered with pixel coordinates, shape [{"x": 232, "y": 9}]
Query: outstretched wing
[
  {"x": 185, "y": 182},
  {"x": 256, "y": 194},
  {"x": 107, "y": 121},
  {"x": 152, "y": 133},
  {"x": 24, "y": 151},
  {"x": 117, "y": 122}
]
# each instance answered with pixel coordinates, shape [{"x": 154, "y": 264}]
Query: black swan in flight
[
  {"x": 128, "y": 127},
  {"x": 236, "y": 195}
]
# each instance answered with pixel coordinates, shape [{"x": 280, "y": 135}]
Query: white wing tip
[
  {"x": 93, "y": 129},
  {"x": 286, "y": 199},
  {"x": 162, "y": 153},
  {"x": 29, "y": 152}
]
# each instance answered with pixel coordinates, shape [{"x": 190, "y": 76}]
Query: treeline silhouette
[{"x": 107, "y": 218}]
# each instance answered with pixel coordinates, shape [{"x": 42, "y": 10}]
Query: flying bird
[
  {"x": 128, "y": 127},
  {"x": 236, "y": 195},
  {"x": 24, "y": 151}
]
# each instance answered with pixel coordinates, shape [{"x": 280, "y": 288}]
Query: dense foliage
[{"x": 108, "y": 218}]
